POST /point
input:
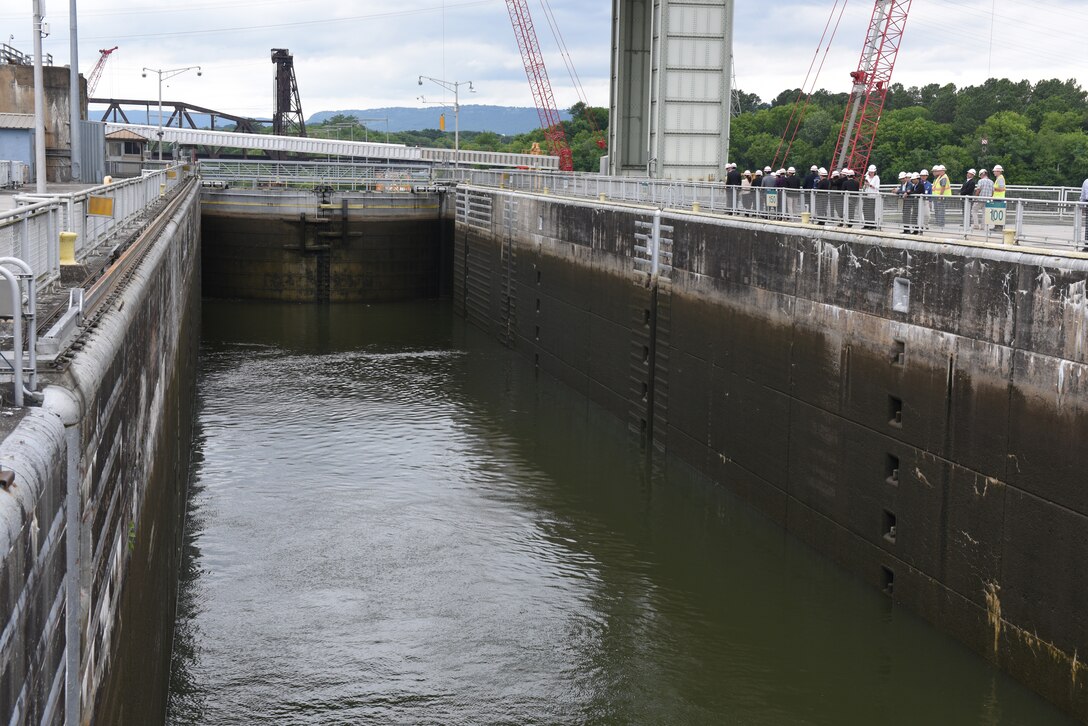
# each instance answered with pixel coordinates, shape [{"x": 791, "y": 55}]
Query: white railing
[
  {"x": 1050, "y": 217},
  {"x": 31, "y": 231},
  {"x": 342, "y": 176}
]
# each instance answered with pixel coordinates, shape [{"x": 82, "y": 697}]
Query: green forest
[{"x": 1037, "y": 132}]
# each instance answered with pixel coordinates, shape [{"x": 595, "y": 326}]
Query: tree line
[{"x": 1037, "y": 132}]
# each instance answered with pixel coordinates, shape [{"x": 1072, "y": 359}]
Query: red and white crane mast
[
  {"x": 96, "y": 73},
  {"x": 871, "y": 82},
  {"x": 539, "y": 82}
]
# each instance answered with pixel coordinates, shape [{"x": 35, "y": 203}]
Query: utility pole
[
  {"x": 39, "y": 101},
  {"x": 454, "y": 86},
  {"x": 76, "y": 143}
]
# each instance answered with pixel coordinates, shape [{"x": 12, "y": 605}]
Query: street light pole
[
  {"x": 39, "y": 101},
  {"x": 166, "y": 75},
  {"x": 454, "y": 86}
]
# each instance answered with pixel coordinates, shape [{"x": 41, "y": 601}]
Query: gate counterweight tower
[{"x": 288, "y": 119}]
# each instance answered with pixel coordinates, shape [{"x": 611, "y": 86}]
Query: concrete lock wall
[
  {"x": 304, "y": 246},
  {"x": 92, "y": 524},
  {"x": 913, "y": 410}
]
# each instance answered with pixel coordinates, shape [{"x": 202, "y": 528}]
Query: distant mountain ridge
[{"x": 504, "y": 120}]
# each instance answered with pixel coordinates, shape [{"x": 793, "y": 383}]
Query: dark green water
[{"x": 393, "y": 520}]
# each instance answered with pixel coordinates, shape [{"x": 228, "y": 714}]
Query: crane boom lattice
[
  {"x": 96, "y": 72},
  {"x": 870, "y": 83},
  {"x": 541, "y": 85}
]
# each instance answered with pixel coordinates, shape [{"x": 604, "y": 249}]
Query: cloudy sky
[{"x": 369, "y": 53}]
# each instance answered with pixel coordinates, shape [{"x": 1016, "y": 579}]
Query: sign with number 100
[{"x": 995, "y": 214}]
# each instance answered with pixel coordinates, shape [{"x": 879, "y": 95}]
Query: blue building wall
[{"x": 17, "y": 145}]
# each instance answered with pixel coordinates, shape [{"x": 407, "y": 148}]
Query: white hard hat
[
  {"x": 924, "y": 172},
  {"x": 872, "y": 167},
  {"x": 939, "y": 167},
  {"x": 814, "y": 168},
  {"x": 914, "y": 175},
  {"x": 791, "y": 170},
  {"x": 998, "y": 167},
  {"x": 822, "y": 171},
  {"x": 983, "y": 172},
  {"x": 971, "y": 171},
  {"x": 766, "y": 169},
  {"x": 902, "y": 175},
  {"x": 759, "y": 172},
  {"x": 835, "y": 173},
  {"x": 780, "y": 171},
  {"x": 747, "y": 172}
]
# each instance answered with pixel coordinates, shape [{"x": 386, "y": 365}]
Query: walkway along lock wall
[
  {"x": 92, "y": 523},
  {"x": 913, "y": 409}
]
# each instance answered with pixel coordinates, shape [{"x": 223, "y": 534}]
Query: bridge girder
[{"x": 671, "y": 90}]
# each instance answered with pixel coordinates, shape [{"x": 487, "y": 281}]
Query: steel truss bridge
[{"x": 330, "y": 148}]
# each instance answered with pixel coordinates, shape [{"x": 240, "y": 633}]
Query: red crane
[
  {"x": 96, "y": 72},
  {"x": 541, "y": 86},
  {"x": 871, "y": 81}
]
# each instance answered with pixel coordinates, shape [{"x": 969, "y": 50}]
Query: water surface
[{"x": 393, "y": 519}]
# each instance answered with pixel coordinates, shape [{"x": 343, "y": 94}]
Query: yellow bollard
[
  {"x": 68, "y": 248},
  {"x": 602, "y": 197},
  {"x": 806, "y": 217},
  {"x": 695, "y": 206},
  {"x": 1010, "y": 236}
]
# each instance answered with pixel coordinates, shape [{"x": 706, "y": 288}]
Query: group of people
[{"x": 836, "y": 207}]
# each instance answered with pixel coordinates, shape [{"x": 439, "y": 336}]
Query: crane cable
[
  {"x": 549, "y": 15},
  {"x": 808, "y": 95}
]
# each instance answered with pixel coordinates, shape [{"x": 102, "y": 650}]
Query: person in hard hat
[
  {"x": 900, "y": 193},
  {"x": 870, "y": 192},
  {"x": 1000, "y": 187},
  {"x": 967, "y": 189},
  {"x": 732, "y": 176},
  {"x": 999, "y": 182},
  {"x": 836, "y": 196},
  {"x": 850, "y": 191},
  {"x": 732, "y": 186},
  {"x": 792, "y": 184},
  {"x": 746, "y": 191},
  {"x": 812, "y": 178},
  {"x": 823, "y": 199},
  {"x": 942, "y": 188},
  {"x": 1084, "y": 212},
  {"x": 913, "y": 192},
  {"x": 925, "y": 209},
  {"x": 984, "y": 190}
]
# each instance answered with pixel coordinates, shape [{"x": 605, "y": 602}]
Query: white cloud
[{"x": 368, "y": 53}]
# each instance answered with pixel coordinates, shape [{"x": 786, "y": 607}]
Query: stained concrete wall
[
  {"x": 91, "y": 528},
  {"x": 17, "y": 96},
  {"x": 931, "y": 446},
  {"x": 302, "y": 246}
]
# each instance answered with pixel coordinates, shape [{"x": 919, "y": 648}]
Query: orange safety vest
[
  {"x": 999, "y": 187},
  {"x": 942, "y": 187}
]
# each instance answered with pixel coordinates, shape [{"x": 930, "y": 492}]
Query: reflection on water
[{"x": 393, "y": 520}]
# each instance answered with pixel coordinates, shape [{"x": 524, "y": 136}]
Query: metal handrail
[{"x": 1048, "y": 223}]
